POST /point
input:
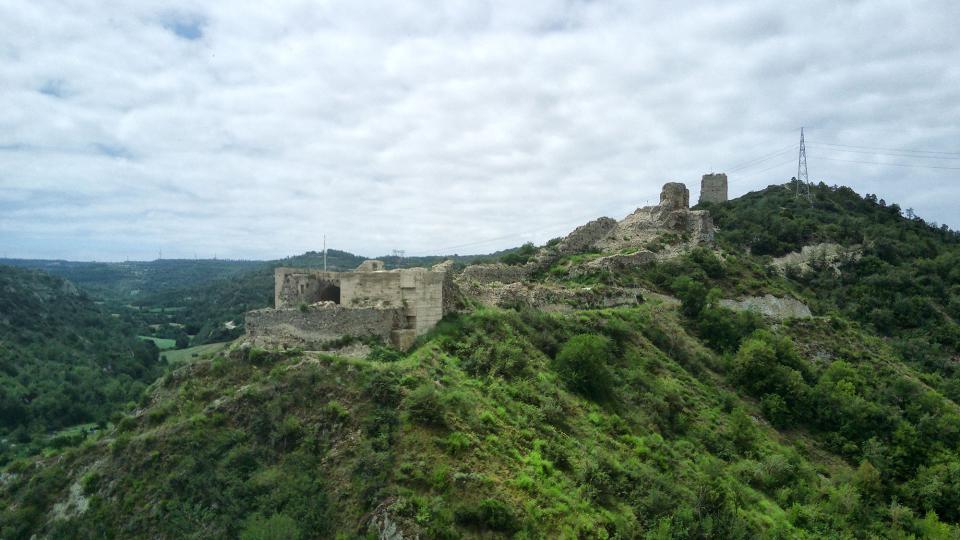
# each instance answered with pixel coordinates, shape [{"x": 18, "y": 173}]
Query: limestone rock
[
  {"x": 770, "y": 306},
  {"x": 371, "y": 265},
  {"x": 620, "y": 262},
  {"x": 813, "y": 256},
  {"x": 552, "y": 297}
]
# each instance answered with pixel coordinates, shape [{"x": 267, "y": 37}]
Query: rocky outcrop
[
  {"x": 812, "y": 257},
  {"x": 552, "y": 297},
  {"x": 585, "y": 237},
  {"x": 649, "y": 223},
  {"x": 770, "y": 306},
  {"x": 620, "y": 262}
]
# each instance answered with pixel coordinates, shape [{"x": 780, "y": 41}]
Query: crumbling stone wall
[
  {"x": 498, "y": 272},
  {"x": 313, "y": 306},
  {"x": 586, "y": 236},
  {"x": 314, "y": 325},
  {"x": 674, "y": 196},
  {"x": 295, "y": 286},
  {"x": 713, "y": 188}
]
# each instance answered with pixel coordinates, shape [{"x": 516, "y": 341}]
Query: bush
[
  {"x": 423, "y": 405},
  {"x": 491, "y": 514},
  {"x": 276, "y": 527},
  {"x": 582, "y": 364}
]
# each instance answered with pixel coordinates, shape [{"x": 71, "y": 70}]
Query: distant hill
[
  {"x": 63, "y": 360},
  {"x": 125, "y": 281}
]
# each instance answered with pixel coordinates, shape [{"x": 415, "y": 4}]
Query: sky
[{"x": 254, "y": 129}]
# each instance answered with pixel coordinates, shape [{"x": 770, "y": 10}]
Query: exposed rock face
[
  {"x": 770, "y": 306},
  {"x": 713, "y": 188},
  {"x": 619, "y": 262},
  {"x": 386, "y": 526},
  {"x": 552, "y": 298},
  {"x": 674, "y": 196},
  {"x": 648, "y": 223},
  {"x": 811, "y": 257},
  {"x": 586, "y": 236},
  {"x": 671, "y": 218},
  {"x": 370, "y": 265},
  {"x": 494, "y": 273}
]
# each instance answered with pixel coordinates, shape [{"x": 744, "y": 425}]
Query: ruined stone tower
[{"x": 713, "y": 188}]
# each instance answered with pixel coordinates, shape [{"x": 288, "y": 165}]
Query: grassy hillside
[
  {"x": 600, "y": 424},
  {"x": 63, "y": 361}
]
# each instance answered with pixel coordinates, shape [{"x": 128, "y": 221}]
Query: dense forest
[
  {"x": 677, "y": 418},
  {"x": 63, "y": 362}
]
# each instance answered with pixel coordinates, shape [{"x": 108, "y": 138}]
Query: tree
[{"x": 582, "y": 364}]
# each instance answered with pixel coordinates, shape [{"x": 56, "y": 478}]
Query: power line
[
  {"x": 883, "y": 153},
  {"x": 893, "y": 164},
  {"x": 892, "y": 149},
  {"x": 765, "y": 157}
]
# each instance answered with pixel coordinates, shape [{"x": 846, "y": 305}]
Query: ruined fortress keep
[
  {"x": 315, "y": 308},
  {"x": 312, "y": 307},
  {"x": 713, "y": 188}
]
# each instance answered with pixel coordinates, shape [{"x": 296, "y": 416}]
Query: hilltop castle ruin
[{"x": 313, "y": 308}]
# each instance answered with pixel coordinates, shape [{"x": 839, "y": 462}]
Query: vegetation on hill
[
  {"x": 904, "y": 285},
  {"x": 666, "y": 420},
  {"x": 63, "y": 361},
  {"x": 488, "y": 429}
]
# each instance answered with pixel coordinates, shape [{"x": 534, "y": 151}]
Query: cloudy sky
[{"x": 250, "y": 129}]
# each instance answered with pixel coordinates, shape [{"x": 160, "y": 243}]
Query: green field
[
  {"x": 162, "y": 343},
  {"x": 183, "y": 356}
]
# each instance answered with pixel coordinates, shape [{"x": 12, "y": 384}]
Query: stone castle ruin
[
  {"x": 313, "y": 308},
  {"x": 713, "y": 188}
]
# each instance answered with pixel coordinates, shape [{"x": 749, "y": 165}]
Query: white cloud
[{"x": 252, "y": 130}]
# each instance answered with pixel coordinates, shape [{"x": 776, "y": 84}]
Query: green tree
[{"x": 582, "y": 364}]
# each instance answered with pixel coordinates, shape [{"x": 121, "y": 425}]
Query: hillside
[
  {"x": 63, "y": 361},
  {"x": 674, "y": 418}
]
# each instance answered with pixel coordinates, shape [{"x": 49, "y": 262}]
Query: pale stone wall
[
  {"x": 315, "y": 325},
  {"x": 713, "y": 188},
  {"x": 498, "y": 272},
  {"x": 366, "y": 289},
  {"x": 422, "y": 292},
  {"x": 397, "y": 305},
  {"x": 295, "y": 286}
]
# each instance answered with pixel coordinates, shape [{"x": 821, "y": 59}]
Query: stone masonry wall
[
  {"x": 315, "y": 325},
  {"x": 490, "y": 273},
  {"x": 295, "y": 286},
  {"x": 713, "y": 188},
  {"x": 367, "y": 289}
]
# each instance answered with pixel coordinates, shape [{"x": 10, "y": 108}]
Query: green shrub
[
  {"x": 582, "y": 364},
  {"x": 275, "y": 527},
  {"x": 490, "y": 514},
  {"x": 423, "y": 405}
]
